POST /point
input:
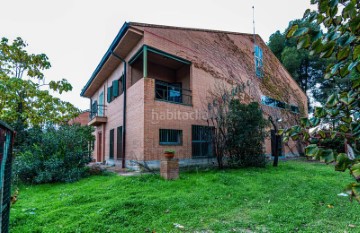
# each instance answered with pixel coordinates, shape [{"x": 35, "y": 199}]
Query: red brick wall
[
  {"x": 135, "y": 122},
  {"x": 82, "y": 119},
  {"x": 216, "y": 58},
  {"x": 114, "y": 114}
]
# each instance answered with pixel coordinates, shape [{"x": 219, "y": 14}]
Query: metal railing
[
  {"x": 97, "y": 110},
  {"x": 172, "y": 93}
]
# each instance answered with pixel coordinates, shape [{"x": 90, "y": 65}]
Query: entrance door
[{"x": 99, "y": 147}]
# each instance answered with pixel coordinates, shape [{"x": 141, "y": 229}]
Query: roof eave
[{"x": 118, "y": 37}]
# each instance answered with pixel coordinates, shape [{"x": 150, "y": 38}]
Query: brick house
[
  {"x": 82, "y": 119},
  {"x": 149, "y": 90}
]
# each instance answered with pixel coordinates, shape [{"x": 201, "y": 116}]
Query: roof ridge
[{"x": 189, "y": 28}]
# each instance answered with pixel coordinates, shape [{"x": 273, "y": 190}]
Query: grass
[{"x": 295, "y": 197}]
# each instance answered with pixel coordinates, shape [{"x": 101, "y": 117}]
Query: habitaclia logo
[{"x": 178, "y": 115}]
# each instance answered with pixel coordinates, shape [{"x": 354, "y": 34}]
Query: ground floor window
[
  {"x": 278, "y": 104},
  {"x": 111, "y": 143},
  {"x": 170, "y": 137},
  {"x": 202, "y": 145}
]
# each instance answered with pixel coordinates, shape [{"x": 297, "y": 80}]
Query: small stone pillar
[{"x": 169, "y": 169}]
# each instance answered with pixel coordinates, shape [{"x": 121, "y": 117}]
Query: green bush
[
  {"x": 246, "y": 134},
  {"x": 54, "y": 154}
]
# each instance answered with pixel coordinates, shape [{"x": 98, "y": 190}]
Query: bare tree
[{"x": 218, "y": 101}]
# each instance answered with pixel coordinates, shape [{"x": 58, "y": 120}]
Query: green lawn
[{"x": 291, "y": 198}]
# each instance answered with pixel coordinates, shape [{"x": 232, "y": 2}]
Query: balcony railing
[
  {"x": 97, "y": 110},
  {"x": 172, "y": 92},
  {"x": 97, "y": 114}
]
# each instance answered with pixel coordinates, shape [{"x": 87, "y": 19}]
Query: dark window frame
[
  {"x": 166, "y": 89},
  {"x": 265, "y": 100},
  {"x": 201, "y": 141},
  {"x": 111, "y": 144},
  {"x": 170, "y": 137},
  {"x": 121, "y": 85},
  {"x": 110, "y": 95}
]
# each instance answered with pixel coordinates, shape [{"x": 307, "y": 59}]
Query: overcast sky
[{"x": 76, "y": 34}]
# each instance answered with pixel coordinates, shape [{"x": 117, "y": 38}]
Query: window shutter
[
  {"x": 108, "y": 95},
  {"x": 115, "y": 85},
  {"x": 94, "y": 108}
]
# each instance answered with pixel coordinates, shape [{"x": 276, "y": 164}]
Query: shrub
[
  {"x": 54, "y": 155},
  {"x": 246, "y": 134}
]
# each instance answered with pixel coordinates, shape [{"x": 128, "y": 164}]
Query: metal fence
[{"x": 6, "y": 142}]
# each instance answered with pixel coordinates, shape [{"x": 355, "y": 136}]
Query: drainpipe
[
  {"x": 104, "y": 126},
  {"x": 124, "y": 110}
]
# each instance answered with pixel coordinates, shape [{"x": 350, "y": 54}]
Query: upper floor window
[
  {"x": 115, "y": 90},
  {"x": 258, "y": 53},
  {"x": 172, "y": 92},
  {"x": 121, "y": 85},
  {"x": 94, "y": 109},
  {"x": 168, "y": 91}
]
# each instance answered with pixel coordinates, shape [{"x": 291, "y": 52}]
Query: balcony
[
  {"x": 97, "y": 115},
  {"x": 170, "y": 72},
  {"x": 172, "y": 92}
]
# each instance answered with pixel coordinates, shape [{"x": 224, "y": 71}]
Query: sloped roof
[
  {"x": 118, "y": 37},
  {"x": 122, "y": 32},
  {"x": 186, "y": 28},
  {"x": 238, "y": 54}
]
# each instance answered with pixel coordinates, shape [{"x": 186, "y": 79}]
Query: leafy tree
[
  {"x": 340, "y": 117},
  {"x": 277, "y": 43},
  {"x": 23, "y": 100},
  {"x": 306, "y": 68},
  {"x": 239, "y": 132},
  {"x": 246, "y": 134}
]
